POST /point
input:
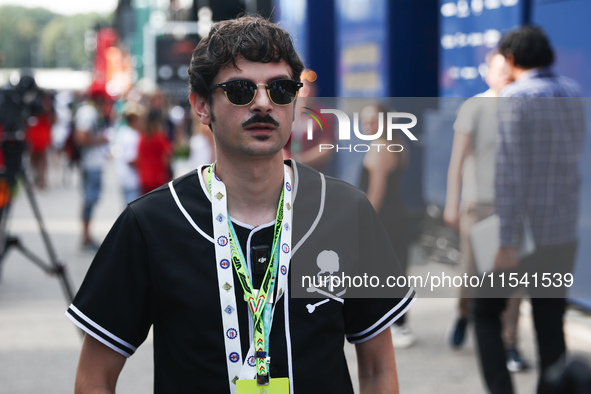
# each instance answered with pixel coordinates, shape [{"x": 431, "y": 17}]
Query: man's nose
[{"x": 262, "y": 102}]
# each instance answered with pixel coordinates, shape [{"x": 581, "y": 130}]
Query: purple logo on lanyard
[
  {"x": 285, "y": 248},
  {"x": 225, "y": 264},
  {"x": 251, "y": 361},
  {"x": 222, "y": 241}
]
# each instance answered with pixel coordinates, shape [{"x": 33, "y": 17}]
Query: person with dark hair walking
[
  {"x": 209, "y": 259},
  {"x": 541, "y": 132},
  {"x": 470, "y": 196}
]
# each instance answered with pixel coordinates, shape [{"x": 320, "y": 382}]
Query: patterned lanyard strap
[{"x": 259, "y": 304}]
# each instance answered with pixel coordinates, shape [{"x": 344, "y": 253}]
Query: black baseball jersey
[{"x": 157, "y": 268}]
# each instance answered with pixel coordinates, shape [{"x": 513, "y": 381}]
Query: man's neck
[
  {"x": 519, "y": 72},
  {"x": 253, "y": 186}
]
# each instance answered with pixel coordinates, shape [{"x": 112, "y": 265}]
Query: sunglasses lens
[
  {"x": 240, "y": 92},
  {"x": 283, "y": 92}
]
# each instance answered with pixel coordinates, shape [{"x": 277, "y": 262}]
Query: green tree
[
  {"x": 19, "y": 28},
  {"x": 36, "y": 37},
  {"x": 62, "y": 40}
]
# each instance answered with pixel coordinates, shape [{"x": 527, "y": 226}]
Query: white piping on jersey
[
  {"x": 402, "y": 302},
  {"x": 97, "y": 337},
  {"x": 187, "y": 216},
  {"x": 288, "y": 338},
  {"x": 250, "y": 227},
  {"x": 392, "y": 320},
  {"x": 296, "y": 180},
  {"x": 294, "y": 249},
  {"x": 318, "y": 216},
  {"x": 99, "y": 328}
]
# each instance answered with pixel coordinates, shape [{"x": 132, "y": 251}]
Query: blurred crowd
[
  {"x": 141, "y": 132},
  {"x": 145, "y": 132}
]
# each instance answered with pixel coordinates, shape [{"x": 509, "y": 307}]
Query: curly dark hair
[{"x": 252, "y": 37}]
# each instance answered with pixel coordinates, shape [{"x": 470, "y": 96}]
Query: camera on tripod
[{"x": 18, "y": 103}]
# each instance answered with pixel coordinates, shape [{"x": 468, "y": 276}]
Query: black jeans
[{"x": 548, "y": 307}]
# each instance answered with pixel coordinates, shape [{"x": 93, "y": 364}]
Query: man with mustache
[{"x": 206, "y": 259}]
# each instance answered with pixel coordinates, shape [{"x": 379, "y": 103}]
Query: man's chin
[
  {"x": 262, "y": 137},
  {"x": 261, "y": 151}
]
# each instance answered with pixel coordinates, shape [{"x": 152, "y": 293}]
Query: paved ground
[{"x": 39, "y": 346}]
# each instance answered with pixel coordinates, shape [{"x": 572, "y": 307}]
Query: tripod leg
[
  {"x": 4, "y": 209},
  {"x": 56, "y": 266}
]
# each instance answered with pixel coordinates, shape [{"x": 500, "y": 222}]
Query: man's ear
[
  {"x": 510, "y": 59},
  {"x": 201, "y": 108}
]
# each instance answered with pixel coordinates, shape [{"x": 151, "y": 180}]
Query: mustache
[{"x": 258, "y": 118}]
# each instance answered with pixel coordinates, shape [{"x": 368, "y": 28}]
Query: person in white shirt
[{"x": 125, "y": 151}]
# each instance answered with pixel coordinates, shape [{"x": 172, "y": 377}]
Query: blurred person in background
[
  {"x": 201, "y": 145},
  {"x": 470, "y": 195},
  {"x": 172, "y": 120},
  {"x": 90, "y": 135},
  {"x": 381, "y": 179},
  {"x": 154, "y": 154},
  {"x": 158, "y": 102},
  {"x": 38, "y": 135},
  {"x": 126, "y": 150},
  {"x": 60, "y": 133},
  {"x": 299, "y": 147},
  {"x": 537, "y": 180}
]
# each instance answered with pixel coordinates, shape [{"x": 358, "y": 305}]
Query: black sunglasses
[{"x": 242, "y": 92}]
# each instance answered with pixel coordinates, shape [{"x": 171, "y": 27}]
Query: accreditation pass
[{"x": 275, "y": 386}]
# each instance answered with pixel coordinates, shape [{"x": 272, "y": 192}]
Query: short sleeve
[
  {"x": 349, "y": 244},
  {"x": 113, "y": 304},
  {"x": 85, "y": 118},
  {"x": 366, "y": 316},
  {"x": 466, "y": 120},
  {"x": 129, "y": 143}
]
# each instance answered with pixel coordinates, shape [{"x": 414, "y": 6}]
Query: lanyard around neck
[{"x": 259, "y": 304}]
